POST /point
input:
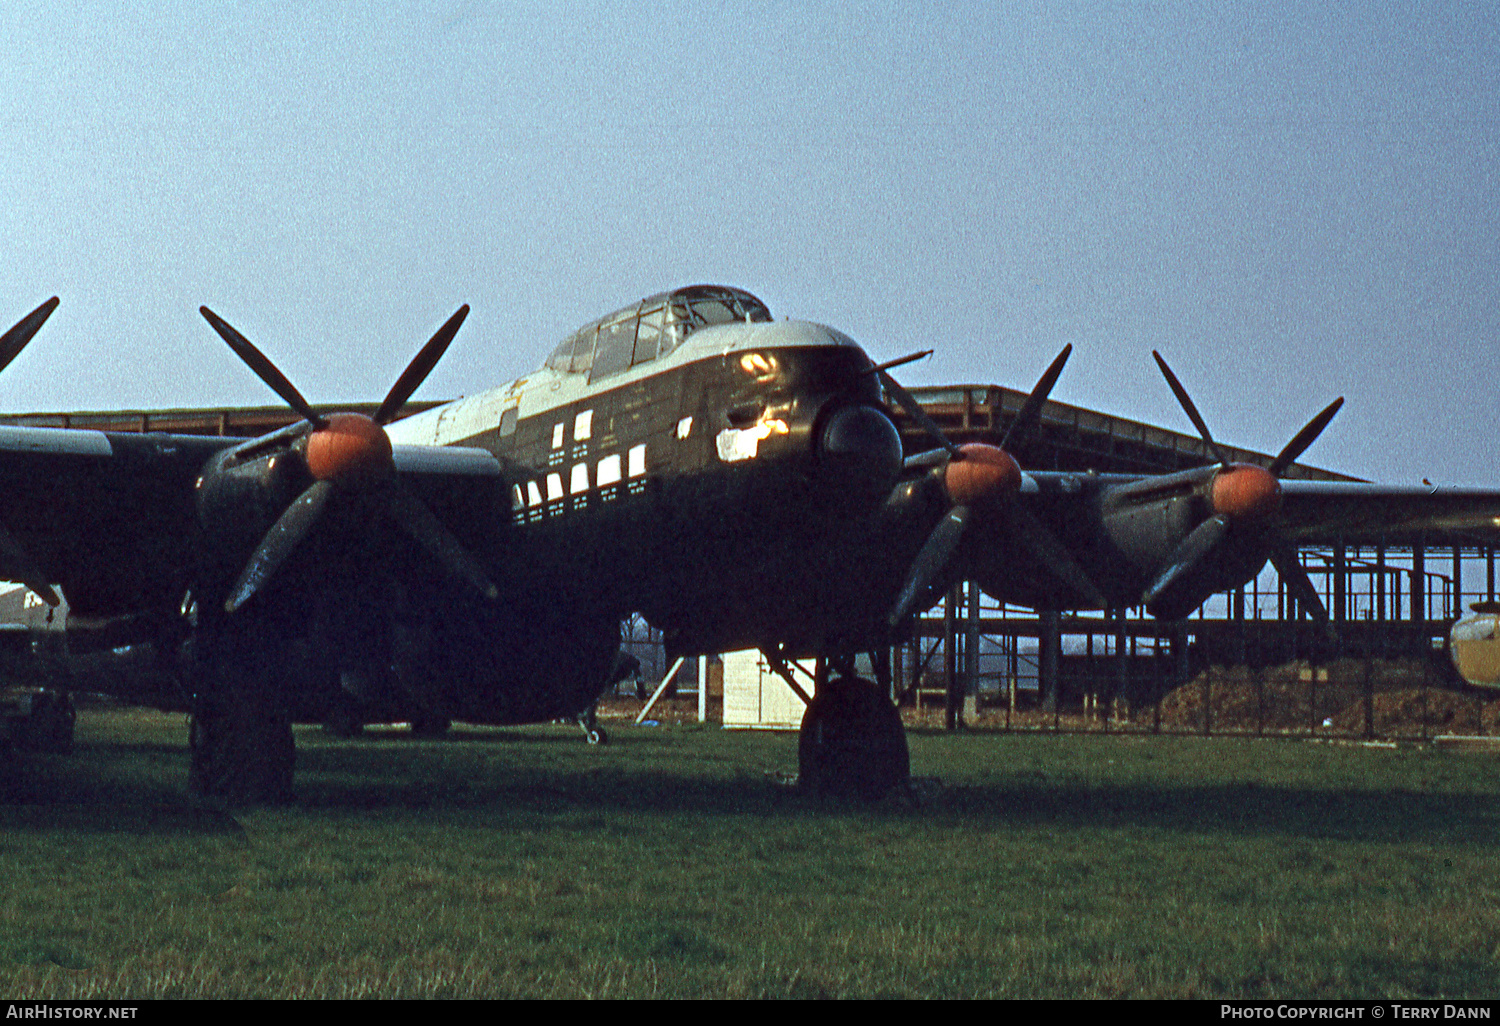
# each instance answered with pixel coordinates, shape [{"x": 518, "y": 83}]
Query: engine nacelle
[{"x": 240, "y": 498}]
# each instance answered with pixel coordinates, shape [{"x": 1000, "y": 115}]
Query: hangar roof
[{"x": 1071, "y": 437}]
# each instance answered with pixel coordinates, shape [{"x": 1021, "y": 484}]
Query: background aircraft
[{"x": 737, "y": 479}]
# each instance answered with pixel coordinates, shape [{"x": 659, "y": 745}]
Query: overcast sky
[{"x": 1292, "y": 201}]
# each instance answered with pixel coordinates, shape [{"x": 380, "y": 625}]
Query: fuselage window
[
  {"x": 508, "y": 421},
  {"x": 609, "y": 471}
]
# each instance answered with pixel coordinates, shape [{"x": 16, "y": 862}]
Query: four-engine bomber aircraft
[{"x": 737, "y": 479}]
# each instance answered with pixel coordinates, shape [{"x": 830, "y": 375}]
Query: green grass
[{"x": 522, "y": 862}]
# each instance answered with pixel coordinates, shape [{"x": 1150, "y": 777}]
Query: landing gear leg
[{"x": 852, "y": 743}]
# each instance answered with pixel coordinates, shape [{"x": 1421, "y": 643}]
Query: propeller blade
[
  {"x": 1303, "y": 439},
  {"x": 421, "y": 365},
  {"x": 263, "y": 368},
  {"x": 1190, "y": 552},
  {"x": 1284, "y": 558},
  {"x": 418, "y": 521},
  {"x": 28, "y": 573},
  {"x": 926, "y": 460},
  {"x": 284, "y": 536},
  {"x": 1191, "y": 410},
  {"x": 932, "y": 559},
  {"x": 1052, "y": 554},
  {"x": 914, "y": 410},
  {"x": 899, "y": 361},
  {"x": 14, "y": 340},
  {"x": 1031, "y": 410}
]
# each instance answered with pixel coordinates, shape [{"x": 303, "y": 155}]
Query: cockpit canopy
[{"x": 652, "y": 328}]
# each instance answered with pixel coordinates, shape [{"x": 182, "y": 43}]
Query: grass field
[{"x": 522, "y": 862}]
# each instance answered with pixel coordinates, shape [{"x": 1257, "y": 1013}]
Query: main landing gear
[
  {"x": 852, "y": 743},
  {"x": 241, "y": 729},
  {"x": 242, "y": 752}
]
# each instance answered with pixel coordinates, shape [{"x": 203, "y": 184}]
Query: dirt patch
[
  {"x": 1422, "y": 711},
  {"x": 1402, "y": 698}
]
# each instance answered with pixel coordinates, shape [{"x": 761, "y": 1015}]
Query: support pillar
[
  {"x": 970, "y": 710},
  {"x": 1380, "y": 582},
  {"x": 1049, "y": 663},
  {"x": 950, "y": 659},
  {"x": 1122, "y": 658},
  {"x": 1418, "y": 582},
  {"x": 1456, "y": 607},
  {"x": 1340, "y": 610}
]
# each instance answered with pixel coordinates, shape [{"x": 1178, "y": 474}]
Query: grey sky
[{"x": 1291, "y": 201}]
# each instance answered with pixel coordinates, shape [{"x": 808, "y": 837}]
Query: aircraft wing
[
  {"x": 1328, "y": 511},
  {"x": 110, "y": 516},
  {"x": 113, "y": 516}
]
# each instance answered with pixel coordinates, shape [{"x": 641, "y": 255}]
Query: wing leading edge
[{"x": 1332, "y": 511}]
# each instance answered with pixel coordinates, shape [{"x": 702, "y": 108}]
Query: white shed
[{"x": 755, "y": 696}]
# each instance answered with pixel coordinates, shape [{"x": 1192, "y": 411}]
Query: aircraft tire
[
  {"x": 243, "y": 752},
  {"x": 852, "y": 743}
]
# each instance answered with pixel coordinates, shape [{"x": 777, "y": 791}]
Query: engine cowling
[{"x": 1474, "y": 645}]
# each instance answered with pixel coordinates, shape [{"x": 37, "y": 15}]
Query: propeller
[
  {"x": 349, "y": 453},
  {"x": 1242, "y": 494},
  {"x": 987, "y": 477},
  {"x": 14, "y": 340},
  {"x": 15, "y": 557}
]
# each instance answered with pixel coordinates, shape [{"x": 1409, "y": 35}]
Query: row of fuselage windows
[{"x": 548, "y": 496}]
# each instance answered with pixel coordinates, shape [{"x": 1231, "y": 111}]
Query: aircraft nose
[{"x": 861, "y": 439}]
